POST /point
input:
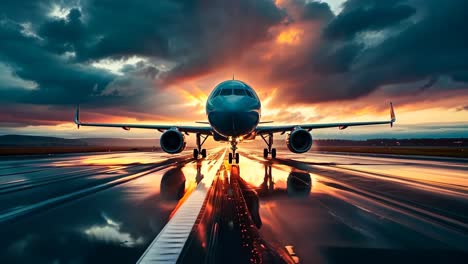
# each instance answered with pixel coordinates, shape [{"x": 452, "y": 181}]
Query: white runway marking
[{"x": 168, "y": 245}]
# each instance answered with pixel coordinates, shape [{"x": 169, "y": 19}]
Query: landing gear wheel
[
  {"x": 230, "y": 158},
  {"x": 265, "y": 153},
  {"x": 203, "y": 153},
  {"x": 273, "y": 153},
  {"x": 195, "y": 153},
  {"x": 237, "y": 158}
]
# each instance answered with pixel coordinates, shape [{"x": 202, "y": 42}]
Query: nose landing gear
[
  {"x": 234, "y": 155},
  {"x": 269, "y": 143},
  {"x": 199, "y": 151}
]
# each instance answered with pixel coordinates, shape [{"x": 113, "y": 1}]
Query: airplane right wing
[{"x": 281, "y": 129}]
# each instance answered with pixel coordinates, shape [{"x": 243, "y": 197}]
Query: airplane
[{"x": 234, "y": 111}]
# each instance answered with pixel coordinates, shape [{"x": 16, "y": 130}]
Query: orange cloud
[{"x": 291, "y": 36}]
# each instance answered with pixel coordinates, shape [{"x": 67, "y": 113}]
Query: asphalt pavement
[{"x": 315, "y": 207}]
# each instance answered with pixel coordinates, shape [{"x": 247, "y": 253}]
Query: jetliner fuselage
[{"x": 233, "y": 109}]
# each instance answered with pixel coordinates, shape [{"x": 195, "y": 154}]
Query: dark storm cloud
[
  {"x": 316, "y": 11},
  {"x": 62, "y": 35},
  {"x": 369, "y": 15},
  {"x": 56, "y": 52},
  {"x": 398, "y": 42},
  {"x": 59, "y": 81},
  {"x": 223, "y": 31},
  {"x": 25, "y": 11}
]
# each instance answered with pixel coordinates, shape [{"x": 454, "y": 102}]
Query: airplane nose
[
  {"x": 234, "y": 115},
  {"x": 233, "y": 123},
  {"x": 232, "y": 104}
]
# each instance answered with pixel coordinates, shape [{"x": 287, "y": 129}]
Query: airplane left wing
[
  {"x": 281, "y": 129},
  {"x": 204, "y": 130}
]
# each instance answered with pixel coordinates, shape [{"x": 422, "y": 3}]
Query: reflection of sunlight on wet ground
[
  {"x": 419, "y": 173},
  {"x": 194, "y": 173},
  {"x": 111, "y": 232},
  {"x": 115, "y": 159},
  {"x": 268, "y": 176}
]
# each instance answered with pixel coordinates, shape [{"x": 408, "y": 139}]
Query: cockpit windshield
[
  {"x": 239, "y": 91},
  {"x": 233, "y": 88},
  {"x": 226, "y": 91}
]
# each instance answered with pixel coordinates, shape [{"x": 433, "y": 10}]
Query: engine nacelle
[
  {"x": 299, "y": 140},
  {"x": 172, "y": 141}
]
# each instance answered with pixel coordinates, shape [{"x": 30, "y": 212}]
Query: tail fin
[{"x": 392, "y": 114}]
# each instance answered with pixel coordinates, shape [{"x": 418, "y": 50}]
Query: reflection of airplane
[
  {"x": 173, "y": 184},
  {"x": 199, "y": 176},
  {"x": 299, "y": 183},
  {"x": 233, "y": 109}
]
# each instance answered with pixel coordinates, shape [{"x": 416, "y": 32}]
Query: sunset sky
[{"x": 309, "y": 61}]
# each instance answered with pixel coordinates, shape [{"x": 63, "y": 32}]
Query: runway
[{"x": 324, "y": 207}]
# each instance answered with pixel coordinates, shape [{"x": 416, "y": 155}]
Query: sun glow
[
  {"x": 194, "y": 98},
  {"x": 290, "y": 36}
]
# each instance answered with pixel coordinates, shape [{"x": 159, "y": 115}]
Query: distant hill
[
  {"x": 21, "y": 140},
  {"x": 389, "y": 142},
  {"x": 121, "y": 142}
]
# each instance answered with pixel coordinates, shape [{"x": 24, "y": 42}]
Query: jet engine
[
  {"x": 299, "y": 140},
  {"x": 172, "y": 141}
]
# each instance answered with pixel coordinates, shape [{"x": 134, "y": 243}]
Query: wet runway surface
[{"x": 324, "y": 207}]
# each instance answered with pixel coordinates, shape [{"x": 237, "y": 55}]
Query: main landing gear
[
  {"x": 199, "y": 150},
  {"x": 269, "y": 143},
  {"x": 234, "y": 155}
]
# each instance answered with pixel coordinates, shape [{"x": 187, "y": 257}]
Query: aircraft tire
[
  {"x": 195, "y": 153},
  {"x": 273, "y": 153},
  {"x": 203, "y": 153},
  {"x": 265, "y": 153},
  {"x": 230, "y": 158},
  {"x": 237, "y": 158}
]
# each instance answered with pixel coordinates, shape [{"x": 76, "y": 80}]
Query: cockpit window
[
  {"x": 240, "y": 91},
  {"x": 237, "y": 88},
  {"x": 216, "y": 93},
  {"x": 226, "y": 91}
]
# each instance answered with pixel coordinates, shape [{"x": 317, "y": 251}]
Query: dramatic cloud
[
  {"x": 56, "y": 45},
  {"x": 375, "y": 16},
  {"x": 374, "y": 43},
  {"x": 158, "y": 60}
]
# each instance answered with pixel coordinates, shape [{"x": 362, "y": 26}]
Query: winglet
[
  {"x": 77, "y": 116},
  {"x": 392, "y": 114}
]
